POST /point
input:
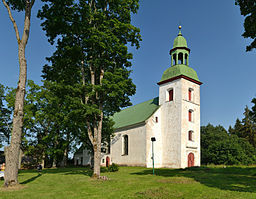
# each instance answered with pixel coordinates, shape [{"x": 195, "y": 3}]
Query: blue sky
[{"x": 212, "y": 29}]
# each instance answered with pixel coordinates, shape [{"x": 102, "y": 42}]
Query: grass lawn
[{"x": 137, "y": 182}]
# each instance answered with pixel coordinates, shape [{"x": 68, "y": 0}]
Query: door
[
  {"x": 191, "y": 160},
  {"x": 107, "y": 161}
]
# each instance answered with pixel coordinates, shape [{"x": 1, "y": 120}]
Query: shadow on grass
[
  {"x": 31, "y": 179},
  {"x": 65, "y": 171},
  {"x": 230, "y": 178}
]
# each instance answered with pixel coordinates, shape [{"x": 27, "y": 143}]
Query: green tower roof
[
  {"x": 180, "y": 41},
  {"x": 178, "y": 70},
  {"x": 179, "y": 64}
]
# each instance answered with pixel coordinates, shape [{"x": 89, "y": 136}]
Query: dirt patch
[
  {"x": 159, "y": 193},
  {"x": 180, "y": 180},
  {"x": 13, "y": 188}
]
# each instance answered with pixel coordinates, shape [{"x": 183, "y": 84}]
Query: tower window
[
  {"x": 186, "y": 59},
  {"x": 190, "y": 112},
  {"x": 125, "y": 145},
  {"x": 180, "y": 58},
  {"x": 174, "y": 59},
  {"x": 156, "y": 119},
  {"x": 190, "y": 135},
  {"x": 171, "y": 95},
  {"x": 190, "y": 94}
]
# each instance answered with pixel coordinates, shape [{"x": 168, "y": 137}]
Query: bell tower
[
  {"x": 179, "y": 98},
  {"x": 180, "y": 52}
]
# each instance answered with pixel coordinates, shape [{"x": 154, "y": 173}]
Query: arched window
[
  {"x": 190, "y": 135},
  {"x": 174, "y": 59},
  {"x": 170, "y": 95},
  {"x": 190, "y": 93},
  {"x": 125, "y": 145},
  {"x": 186, "y": 59},
  {"x": 180, "y": 58},
  {"x": 190, "y": 113}
]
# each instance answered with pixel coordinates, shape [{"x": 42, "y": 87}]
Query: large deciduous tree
[
  {"x": 92, "y": 58},
  {"x": 248, "y": 9},
  {"x": 13, "y": 150}
]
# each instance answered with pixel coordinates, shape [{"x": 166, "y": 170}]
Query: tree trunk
[
  {"x": 96, "y": 168},
  {"x": 20, "y": 158},
  {"x": 43, "y": 161},
  {"x": 13, "y": 151},
  {"x": 64, "y": 159},
  {"x": 54, "y": 163}
]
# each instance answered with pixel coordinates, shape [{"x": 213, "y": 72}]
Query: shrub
[
  {"x": 113, "y": 168},
  {"x": 103, "y": 169}
]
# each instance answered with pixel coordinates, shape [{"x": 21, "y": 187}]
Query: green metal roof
[
  {"x": 178, "y": 70},
  {"x": 136, "y": 114},
  {"x": 180, "y": 41}
]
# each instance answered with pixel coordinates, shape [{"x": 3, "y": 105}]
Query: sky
[{"x": 213, "y": 32}]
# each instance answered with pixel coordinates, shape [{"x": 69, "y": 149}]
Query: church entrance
[
  {"x": 107, "y": 161},
  {"x": 191, "y": 160}
]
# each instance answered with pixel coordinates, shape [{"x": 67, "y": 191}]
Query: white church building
[{"x": 172, "y": 120}]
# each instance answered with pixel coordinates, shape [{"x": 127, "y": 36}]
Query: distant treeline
[{"x": 235, "y": 146}]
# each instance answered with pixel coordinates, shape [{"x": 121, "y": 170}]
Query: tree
[
  {"x": 13, "y": 150},
  {"x": 209, "y": 135},
  {"x": 247, "y": 127},
  {"x": 92, "y": 58},
  {"x": 247, "y": 9},
  {"x": 47, "y": 131},
  {"x": 219, "y": 147}
]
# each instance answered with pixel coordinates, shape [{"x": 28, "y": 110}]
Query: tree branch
[
  {"x": 13, "y": 21},
  {"x": 90, "y": 133},
  {"x": 26, "y": 29}
]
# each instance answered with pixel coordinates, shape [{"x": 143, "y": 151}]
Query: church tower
[{"x": 179, "y": 98}]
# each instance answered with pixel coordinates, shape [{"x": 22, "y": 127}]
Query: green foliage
[
  {"x": 18, "y": 5},
  {"x": 90, "y": 68},
  {"x": 219, "y": 147},
  {"x": 113, "y": 167},
  {"x": 247, "y": 127},
  {"x": 247, "y": 8},
  {"x": 5, "y": 117},
  {"x": 48, "y": 131},
  {"x": 103, "y": 169}
]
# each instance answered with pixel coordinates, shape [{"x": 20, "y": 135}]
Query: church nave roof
[{"x": 136, "y": 114}]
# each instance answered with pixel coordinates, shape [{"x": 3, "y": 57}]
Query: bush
[
  {"x": 113, "y": 168},
  {"x": 103, "y": 169}
]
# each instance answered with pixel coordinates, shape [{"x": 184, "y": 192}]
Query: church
[{"x": 165, "y": 129}]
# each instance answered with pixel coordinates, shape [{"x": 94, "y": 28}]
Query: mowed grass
[{"x": 137, "y": 182}]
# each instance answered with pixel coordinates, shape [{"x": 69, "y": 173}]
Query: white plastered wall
[
  {"x": 136, "y": 147},
  {"x": 171, "y": 123},
  {"x": 194, "y": 145},
  {"x": 154, "y": 130}
]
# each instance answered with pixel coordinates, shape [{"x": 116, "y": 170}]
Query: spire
[
  {"x": 180, "y": 51},
  {"x": 179, "y": 31}
]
